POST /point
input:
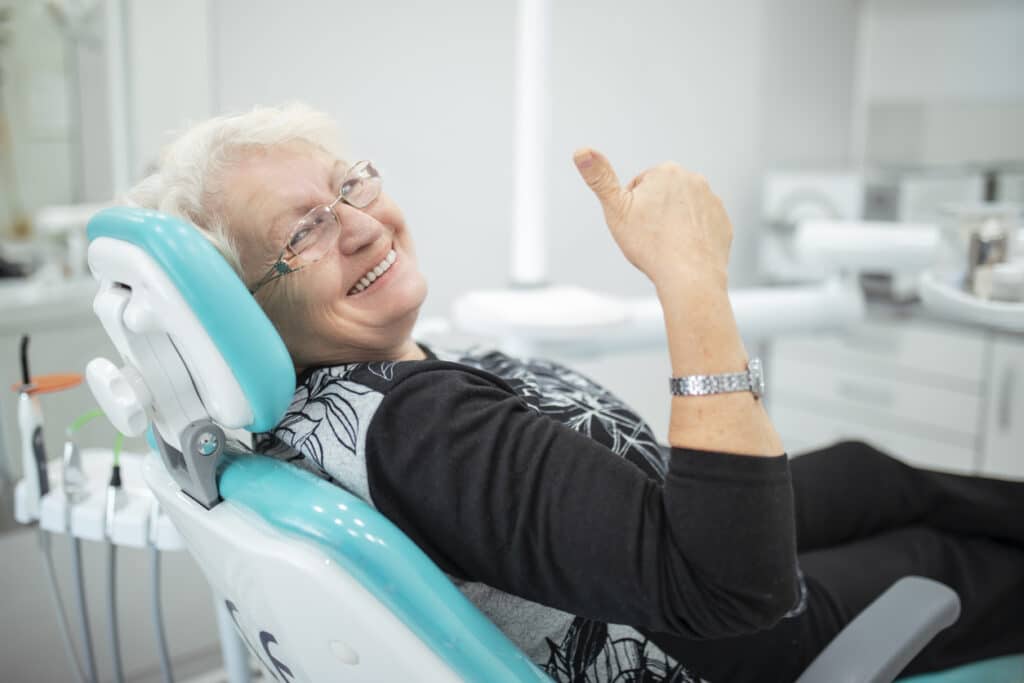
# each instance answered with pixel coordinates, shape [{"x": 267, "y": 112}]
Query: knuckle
[{"x": 599, "y": 180}]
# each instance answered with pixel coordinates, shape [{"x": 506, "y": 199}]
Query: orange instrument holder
[{"x": 48, "y": 384}]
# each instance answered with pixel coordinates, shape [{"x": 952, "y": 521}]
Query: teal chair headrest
[{"x": 234, "y": 321}]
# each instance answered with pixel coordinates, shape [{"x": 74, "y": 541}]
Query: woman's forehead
[{"x": 277, "y": 187}]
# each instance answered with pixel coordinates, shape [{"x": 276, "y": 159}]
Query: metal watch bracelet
[{"x": 704, "y": 385}]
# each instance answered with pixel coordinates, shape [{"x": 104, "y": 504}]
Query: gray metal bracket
[{"x": 194, "y": 467}]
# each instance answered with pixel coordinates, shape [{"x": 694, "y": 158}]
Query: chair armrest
[{"x": 877, "y": 645}]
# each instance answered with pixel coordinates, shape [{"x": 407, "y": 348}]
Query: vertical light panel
[{"x": 529, "y": 265}]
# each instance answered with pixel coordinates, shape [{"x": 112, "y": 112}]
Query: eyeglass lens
[
  {"x": 317, "y": 231},
  {"x": 361, "y": 185},
  {"x": 314, "y": 234}
]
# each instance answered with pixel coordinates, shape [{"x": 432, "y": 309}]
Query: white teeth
[{"x": 374, "y": 273}]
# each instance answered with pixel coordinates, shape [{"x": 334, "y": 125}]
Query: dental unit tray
[{"x": 942, "y": 291}]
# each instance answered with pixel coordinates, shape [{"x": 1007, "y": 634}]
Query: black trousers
[{"x": 864, "y": 520}]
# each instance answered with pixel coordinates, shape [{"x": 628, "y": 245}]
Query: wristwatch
[{"x": 703, "y": 385}]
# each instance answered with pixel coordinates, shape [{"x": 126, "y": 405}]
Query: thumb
[{"x": 598, "y": 173}]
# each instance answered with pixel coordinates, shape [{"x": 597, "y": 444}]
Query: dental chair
[{"x": 318, "y": 584}]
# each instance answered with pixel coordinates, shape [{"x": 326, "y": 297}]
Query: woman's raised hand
[{"x": 666, "y": 221}]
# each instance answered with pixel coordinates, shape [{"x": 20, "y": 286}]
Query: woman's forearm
[
  {"x": 671, "y": 226},
  {"x": 702, "y": 340}
]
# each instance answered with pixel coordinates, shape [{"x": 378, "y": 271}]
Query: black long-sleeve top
[{"x": 530, "y": 479}]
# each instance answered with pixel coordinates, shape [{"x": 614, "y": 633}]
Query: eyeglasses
[{"x": 317, "y": 232}]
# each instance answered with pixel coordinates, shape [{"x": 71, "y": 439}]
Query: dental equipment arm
[
  {"x": 846, "y": 246},
  {"x": 562, "y": 319},
  {"x": 913, "y": 249},
  {"x": 566, "y": 319}
]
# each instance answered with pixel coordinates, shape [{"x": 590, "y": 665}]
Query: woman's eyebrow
[{"x": 285, "y": 221}]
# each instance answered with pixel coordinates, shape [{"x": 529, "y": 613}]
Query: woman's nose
[{"x": 358, "y": 229}]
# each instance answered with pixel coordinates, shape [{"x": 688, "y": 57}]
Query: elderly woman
[{"x": 545, "y": 498}]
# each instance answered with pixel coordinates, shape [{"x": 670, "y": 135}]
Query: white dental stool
[{"x": 317, "y": 583}]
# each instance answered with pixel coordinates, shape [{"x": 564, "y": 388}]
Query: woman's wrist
[
  {"x": 683, "y": 287},
  {"x": 701, "y": 329}
]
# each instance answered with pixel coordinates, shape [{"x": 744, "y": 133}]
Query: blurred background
[{"x": 884, "y": 109}]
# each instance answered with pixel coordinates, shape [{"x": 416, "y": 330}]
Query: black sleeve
[{"x": 495, "y": 492}]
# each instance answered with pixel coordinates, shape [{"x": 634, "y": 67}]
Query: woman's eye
[
  {"x": 349, "y": 187},
  {"x": 300, "y": 238}
]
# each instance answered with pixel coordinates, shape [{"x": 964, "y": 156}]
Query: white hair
[{"x": 186, "y": 182}]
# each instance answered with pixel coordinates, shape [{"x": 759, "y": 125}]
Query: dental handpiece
[{"x": 30, "y": 424}]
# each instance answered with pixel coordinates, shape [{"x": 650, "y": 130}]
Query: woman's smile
[{"x": 378, "y": 276}]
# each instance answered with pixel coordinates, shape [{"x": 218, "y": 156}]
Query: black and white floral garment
[{"x": 327, "y": 425}]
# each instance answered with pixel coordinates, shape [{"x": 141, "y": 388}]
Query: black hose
[
  {"x": 158, "y": 616},
  {"x": 25, "y": 377},
  {"x": 58, "y": 604},
  {"x": 83, "y": 609},
  {"x": 115, "y": 641}
]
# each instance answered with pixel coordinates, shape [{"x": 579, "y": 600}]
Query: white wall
[
  {"x": 170, "y": 73},
  {"x": 424, "y": 93},
  {"x": 944, "y": 49},
  {"x": 941, "y": 81},
  {"x": 724, "y": 87},
  {"x": 806, "y": 80}
]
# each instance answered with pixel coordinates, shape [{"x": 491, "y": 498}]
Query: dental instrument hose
[
  {"x": 112, "y": 493},
  {"x": 113, "y": 490},
  {"x": 76, "y": 550},
  {"x": 62, "y": 621},
  {"x": 83, "y": 610},
  {"x": 158, "y": 615}
]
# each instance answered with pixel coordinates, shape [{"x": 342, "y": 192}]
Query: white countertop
[{"x": 30, "y": 303}]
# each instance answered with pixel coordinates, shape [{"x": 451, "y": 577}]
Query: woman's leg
[
  {"x": 851, "y": 490},
  {"x": 842, "y": 581}
]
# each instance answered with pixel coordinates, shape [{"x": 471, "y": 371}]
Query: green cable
[
  {"x": 83, "y": 420},
  {"x": 88, "y": 417},
  {"x": 118, "y": 442}
]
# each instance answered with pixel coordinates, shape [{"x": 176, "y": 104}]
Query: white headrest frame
[{"x": 160, "y": 338}]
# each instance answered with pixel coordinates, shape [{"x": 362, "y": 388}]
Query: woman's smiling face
[{"x": 318, "y": 311}]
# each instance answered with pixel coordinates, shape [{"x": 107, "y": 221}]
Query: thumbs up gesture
[{"x": 667, "y": 221}]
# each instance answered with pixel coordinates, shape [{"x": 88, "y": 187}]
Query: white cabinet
[
  {"x": 1003, "y": 436},
  {"x": 935, "y": 394}
]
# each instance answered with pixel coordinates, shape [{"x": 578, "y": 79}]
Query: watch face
[{"x": 756, "y": 377}]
